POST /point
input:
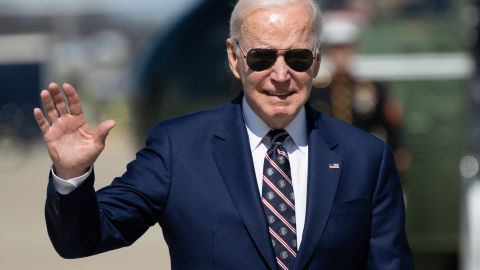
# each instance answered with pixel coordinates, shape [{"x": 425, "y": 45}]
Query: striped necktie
[{"x": 279, "y": 200}]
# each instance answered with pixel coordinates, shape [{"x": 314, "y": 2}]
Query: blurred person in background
[
  {"x": 361, "y": 102},
  {"x": 265, "y": 182}
]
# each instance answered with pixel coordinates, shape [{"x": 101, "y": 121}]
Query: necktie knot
[{"x": 277, "y": 136}]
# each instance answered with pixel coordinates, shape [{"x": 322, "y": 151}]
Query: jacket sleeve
[
  {"x": 86, "y": 222},
  {"x": 389, "y": 248}
]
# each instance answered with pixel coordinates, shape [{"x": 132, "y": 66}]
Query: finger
[
  {"x": 57, "y": 98},
  {"x": 103, "y": 129},
  {"x": 49, "y": 105},
  {"x": 41, "y": 120},
  {"x": 73, "y": 99}
]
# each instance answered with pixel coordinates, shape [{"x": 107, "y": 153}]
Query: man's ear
[{"x": 233, "y": 60}]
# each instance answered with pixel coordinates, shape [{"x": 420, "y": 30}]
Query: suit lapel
[
  {"x": 324, "y": 169},
  {"x": 232, "y": 155},
  {"x": 234, "y": 159}
]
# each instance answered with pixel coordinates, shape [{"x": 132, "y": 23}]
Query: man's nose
[{"x": 280, "y": 70}]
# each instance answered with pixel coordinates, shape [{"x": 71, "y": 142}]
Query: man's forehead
[{"x": 275, "y": 22}]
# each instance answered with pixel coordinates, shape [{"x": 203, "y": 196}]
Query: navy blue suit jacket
[{"x": 195, "y": 177}]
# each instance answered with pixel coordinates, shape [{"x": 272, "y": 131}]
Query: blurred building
[{"x": 91, "y": 44}]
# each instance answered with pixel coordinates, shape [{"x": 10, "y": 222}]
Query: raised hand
[{"x": 72, "y": 145}]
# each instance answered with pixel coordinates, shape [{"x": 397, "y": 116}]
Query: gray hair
[{"x": 243, "y": 7}]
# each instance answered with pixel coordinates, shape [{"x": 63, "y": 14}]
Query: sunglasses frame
[{"x": 278, "y": 52}]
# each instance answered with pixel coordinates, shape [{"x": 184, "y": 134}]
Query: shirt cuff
[{"x": 64, "y": 187}]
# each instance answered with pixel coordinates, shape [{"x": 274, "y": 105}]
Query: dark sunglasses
[{"x": 259, "y": 59}]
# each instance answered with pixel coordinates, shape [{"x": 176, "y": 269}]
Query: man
[{"x": 263, "y": 183}]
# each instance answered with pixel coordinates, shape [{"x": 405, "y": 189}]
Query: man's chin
[
  {"x": 283, "y": 111},
  {"x": 280, "y": 118}
]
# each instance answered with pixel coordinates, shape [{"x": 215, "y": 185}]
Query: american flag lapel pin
[{"x": 333, "y": 166}]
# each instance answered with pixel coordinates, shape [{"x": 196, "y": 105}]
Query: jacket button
[{"x": 54, "y": 205}]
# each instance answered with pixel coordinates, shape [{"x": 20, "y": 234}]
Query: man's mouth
[{"x": 280, "y": 95}]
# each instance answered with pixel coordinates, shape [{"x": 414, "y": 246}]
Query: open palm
[{"x": 72, "y": 145}]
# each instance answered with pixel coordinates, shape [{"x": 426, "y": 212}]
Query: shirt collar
[{"x": 257, "y": 129}]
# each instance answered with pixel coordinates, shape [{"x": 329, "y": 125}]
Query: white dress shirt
[
  {"x": 296, "y": 145},
  {"x": 66, "y": 186}
]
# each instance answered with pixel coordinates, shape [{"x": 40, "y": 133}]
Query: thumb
[{"x": 103, "y": 129}]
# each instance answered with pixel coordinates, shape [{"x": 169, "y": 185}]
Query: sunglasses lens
[
  {"x": 261, "y": 59},
  {"x": 299, "y": 59}
]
